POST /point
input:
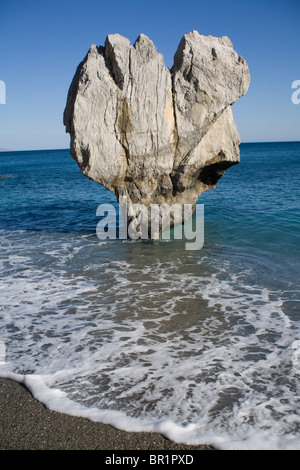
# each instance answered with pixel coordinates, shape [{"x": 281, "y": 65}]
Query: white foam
[
  {"x": 203, "y": 355},
  {"x": 57, "y": 400}
]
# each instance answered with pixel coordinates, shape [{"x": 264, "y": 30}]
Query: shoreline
[{"x": 26, "y": 424}]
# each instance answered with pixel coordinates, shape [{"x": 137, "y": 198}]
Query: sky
[{"x": 42, "y": 42}]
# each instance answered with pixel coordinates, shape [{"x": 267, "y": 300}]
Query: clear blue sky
[{"x": 42, "y": 42}]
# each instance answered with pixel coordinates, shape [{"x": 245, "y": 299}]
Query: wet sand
[{"x": 26, "y": 424}]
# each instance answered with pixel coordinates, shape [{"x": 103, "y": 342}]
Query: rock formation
[{"x": 152, "y": 134}]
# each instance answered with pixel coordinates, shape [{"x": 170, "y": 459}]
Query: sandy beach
[{"x": 26, "y": 424}]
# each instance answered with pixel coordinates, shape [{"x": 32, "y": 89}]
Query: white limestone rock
[{"x": 152, "y": 134}]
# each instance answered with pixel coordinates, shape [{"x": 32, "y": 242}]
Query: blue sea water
[{"x": 200, "y": 345}]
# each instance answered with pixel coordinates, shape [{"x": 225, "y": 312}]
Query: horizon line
[{"x": 68, "y": 148}]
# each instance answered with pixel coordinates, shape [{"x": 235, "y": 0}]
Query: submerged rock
[{"x": 150, "y": 134}]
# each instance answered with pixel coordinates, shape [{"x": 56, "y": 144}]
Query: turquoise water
[{"x": 201, "y": 345}]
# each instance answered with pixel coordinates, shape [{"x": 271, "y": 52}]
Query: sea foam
[
  {"x": 203, "y": 352},
  {"x": 202, "y": 346}
]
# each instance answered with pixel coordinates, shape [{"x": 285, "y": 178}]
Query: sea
[{"x": 201, "y": 345}]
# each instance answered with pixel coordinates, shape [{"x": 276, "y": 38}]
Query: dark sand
[{"x": 26, "y": 424}]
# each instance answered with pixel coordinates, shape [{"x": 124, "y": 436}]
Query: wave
[{"x": 204, "y": 351}]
